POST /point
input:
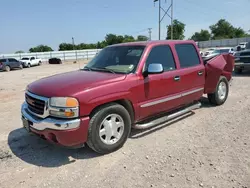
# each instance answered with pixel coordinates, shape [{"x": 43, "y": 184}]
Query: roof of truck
[{"x": 146, "y": 43}]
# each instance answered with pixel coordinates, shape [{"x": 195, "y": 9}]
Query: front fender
[{"x": 88, "y": 107}]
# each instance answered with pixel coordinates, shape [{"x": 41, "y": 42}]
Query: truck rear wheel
[
  {"x": 7, "y": 68},
  {"x": 220, "y": 95},
  {"x": 109, "y": 128}
]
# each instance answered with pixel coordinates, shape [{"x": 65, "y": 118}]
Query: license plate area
[{"x": 26, "y": 124}]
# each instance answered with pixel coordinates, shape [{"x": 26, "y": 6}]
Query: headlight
[{"x": 65, "y": 107}]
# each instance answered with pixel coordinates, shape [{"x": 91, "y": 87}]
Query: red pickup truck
[{"x": 131, "y": 85}]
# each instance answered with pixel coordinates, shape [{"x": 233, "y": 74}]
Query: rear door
[
  {"x": 159, "y": 92},
  {"x": 11, "y": 63},
  {"x": 192, "y": 72},
  {"x": 32, "y": 61}
]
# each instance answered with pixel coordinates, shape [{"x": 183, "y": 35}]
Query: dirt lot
[{"x": 210, "y": 148}]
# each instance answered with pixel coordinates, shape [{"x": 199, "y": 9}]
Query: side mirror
[{"x": 154, "y": 69}]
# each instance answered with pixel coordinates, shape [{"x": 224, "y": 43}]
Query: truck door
[
  {"x": 32, "y": 61},
  {"x": 192, "y": 72},
  {"x": 159, "y": 92}
]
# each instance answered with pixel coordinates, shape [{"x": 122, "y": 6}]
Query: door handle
[
  {"x": 200, "y": 73},
  {"x": 177, "y": 78}
]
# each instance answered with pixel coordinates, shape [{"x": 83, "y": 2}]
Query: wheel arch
[{"x": 127, "y": 104}]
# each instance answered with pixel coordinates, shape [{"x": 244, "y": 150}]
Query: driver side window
[{"x": 161, "y": 55}]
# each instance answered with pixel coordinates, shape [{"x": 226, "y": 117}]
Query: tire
[
  {"x": 7, "y": 68},
  {"x": 99, "y": 143},
  {"x": 238, "y": 70},
  {"x": 39, "y": 63},
  {"x": 219, "y": 97},
  {"x": 28, "y": 66}
]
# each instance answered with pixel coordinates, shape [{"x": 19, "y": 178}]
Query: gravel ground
[{"x": 208, "y": 148}]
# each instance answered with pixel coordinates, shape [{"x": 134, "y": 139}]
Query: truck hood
[{"x": 70, "y": 83}]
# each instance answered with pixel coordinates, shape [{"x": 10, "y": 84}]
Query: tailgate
[{"x": 221, "y": 65}]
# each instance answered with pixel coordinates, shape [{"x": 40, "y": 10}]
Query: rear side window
[
  {"x": 2, "y": 60},
  {"x": 162, "y": 55},
  {"x": 187, "y": 54},
  {"x": 32, "y": 58}
]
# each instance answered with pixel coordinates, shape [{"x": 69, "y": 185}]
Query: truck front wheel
[
  {"x": 220, "y": 95},
  {"x": 109, "y": 128}
]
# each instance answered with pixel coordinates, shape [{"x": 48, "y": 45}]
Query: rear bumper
[{"x": 69, "y": 133}]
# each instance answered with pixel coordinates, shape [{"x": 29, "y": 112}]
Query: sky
[{"x": 28, "y": 23}]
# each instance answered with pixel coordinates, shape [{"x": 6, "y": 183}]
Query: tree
[
  {"x": 142, "y": 38},
  {"x": 66, "y": 47},
  {"x": 112, "y": 39},
  {"x": 128, "y": 38},
  {"x": 223, "y": 29},
  {"x": 41, "y": 48},
  {"x": 19, "y": 52},
  {"x": 178, "y": 30},
  {"x": 203, "y": 35}
]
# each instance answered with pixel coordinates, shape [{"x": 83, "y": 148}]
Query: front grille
[{"x": 35, "y": 105}]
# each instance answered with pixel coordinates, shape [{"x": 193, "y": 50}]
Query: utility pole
[
  {"x": 172, "y": 17},
  {"x": 159, "y": 19},
  {"x": 73, "y": 43},
  {"x": 149, "y": 33},
  {"x": 165, "y": 13}
]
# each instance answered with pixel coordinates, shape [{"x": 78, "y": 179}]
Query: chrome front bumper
[{"x": 47, "y": 123}]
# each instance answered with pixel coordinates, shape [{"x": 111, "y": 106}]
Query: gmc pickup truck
[{"x": 131, "y": 85}]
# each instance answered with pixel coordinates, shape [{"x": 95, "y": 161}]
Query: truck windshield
[{"x": 116, "y": 59}]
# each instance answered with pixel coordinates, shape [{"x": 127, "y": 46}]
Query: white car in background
[
  {"x": 31, "y": 61},
  {"x": 209, "y": 51},
  {"x": 243, "y": 45},
  {"x": 217, "y": 51}
]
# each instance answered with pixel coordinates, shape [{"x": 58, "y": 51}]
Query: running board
[{"x": 167, "y": 118}]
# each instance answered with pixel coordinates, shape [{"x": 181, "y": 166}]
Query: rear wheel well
[{"x": 124, "y": 102}]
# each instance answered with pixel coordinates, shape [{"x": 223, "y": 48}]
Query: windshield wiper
[
  {"x": 105, "y": 69},
  {"x": 88, "y": 68},
  {"x": 98, "y": 68}
]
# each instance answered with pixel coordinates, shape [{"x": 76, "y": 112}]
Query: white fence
[
  {"x": 223, "y": 43},
  {"x": 63, "y": 55}
]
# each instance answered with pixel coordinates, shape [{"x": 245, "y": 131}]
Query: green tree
[
  {"x": 203, "y": 35},
  {"x": 111, "y": 39},
  {"x": 142, "y": 38},
  {"x": 41, "y": 48},
  {"x": 19, "y": 52},
  {"x": 223, "y": 29},
  {"x": 66, "y": 47},
  {"x": 178, "y": 30},
  {"x": 128, "y": 38}
]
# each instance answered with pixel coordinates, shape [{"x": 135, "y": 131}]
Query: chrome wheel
[
  {"x": 222, "y": 90},
  {"x": 111, "y": 129}
]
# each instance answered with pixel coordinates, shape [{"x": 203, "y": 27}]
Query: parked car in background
[
  {"x": 209, "y": 51},
  {"x": 55, "y": 61},
  {"x": 221, "y": 51},
  {"x": 31, "y": 61},
  {"x": 7, "y": 64},
  {"x": 243, "y": 45},
  {"x": 242, "y": 60}
]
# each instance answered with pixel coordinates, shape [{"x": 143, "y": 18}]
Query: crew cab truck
[
  {"x": 31, "y": 61},
  {"x": 130, "y": 85},
  {"x": 242, "y": 59}
]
